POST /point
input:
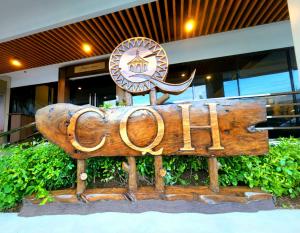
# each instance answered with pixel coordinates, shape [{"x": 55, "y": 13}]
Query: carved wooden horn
[{"x": 171, "y": 88}]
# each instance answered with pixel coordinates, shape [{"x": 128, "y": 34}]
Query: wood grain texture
[
  {"x": 81, "y": 184},
  {"x": 160, "y": 172},
  {"x": 131, "y": 165},
  {"x": 162, "y": 20},
  {"x": 213, "y": 174},
  {"x": 63, "y": 91},
  {"x": 158, "y": 161},
  {"x": 132, "y": 174},
  {"x": 189, "y": 193},
  {"x": 236, "y": 120}
]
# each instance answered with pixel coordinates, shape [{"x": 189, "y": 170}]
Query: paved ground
[
  {"x": 272, "y": 221},
  {"x": 178, "y": 206}
]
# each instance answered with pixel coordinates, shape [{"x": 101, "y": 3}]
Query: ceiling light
[
  {"x": 79, "y": 88},
  {"x": 189, "y": 25},
  {"x": 15, "y": 62},
  {"x": 208, "y": 77},
  {"x": 183, "y": 75},
  {"x": 86, "y": 47}
]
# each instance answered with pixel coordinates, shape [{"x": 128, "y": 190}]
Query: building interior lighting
[
  {"x": 189, "y": 25},
  {"x": 16, "y": 62},
  {"x": 87, "y": 48}
]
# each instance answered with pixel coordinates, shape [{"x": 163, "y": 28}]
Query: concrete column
[
  {"x": 294, "y": 11},
  {"x": 120, "y": 95},
  {"x": 5, "y": 92},
  {"x": 63, "y": 90}
]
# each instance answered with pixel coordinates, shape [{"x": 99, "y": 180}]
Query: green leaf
[{"x": 7, "y": 188}]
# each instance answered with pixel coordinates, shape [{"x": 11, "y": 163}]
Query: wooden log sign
[{"x": 205, "y": 128}]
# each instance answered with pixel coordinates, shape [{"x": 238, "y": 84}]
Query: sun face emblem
[
  {"x": 135, "y": 61},
  {"x": 139, "y": 64}
]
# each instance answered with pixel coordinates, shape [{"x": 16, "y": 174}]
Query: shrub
[
  {"x": 40, "y": 167},
  {"x": 278, "y": 172},
  {"x": 33, "y": 168},
  {"x": 184, "y": 170},
  {"x": 145, "y": 168},
  {"x": 105, "y": 169}
]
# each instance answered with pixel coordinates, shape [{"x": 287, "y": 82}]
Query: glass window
[
  {"x": 264, "y": 73},
  {"x": 230, "y": 84},
  {"x": 296, "y": 80},
  {"x": 214, "y": 85},
  {"x": 280, "y": 105},
  {"x": 199, "y": 88},
  {"x": 200, "y": 92},
  {"x": 214, "y": 78},
  {"x": 141, "y": 99},
  {"x": 265, "y": 84},
  {"x": 179, "y": 73},
  {"x": 295, "y": 70},
  {"x": 183, "y": 97},
  {"x": 28, "y": 99}
]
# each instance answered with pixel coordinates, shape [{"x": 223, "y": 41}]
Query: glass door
[{"x": 95, "y": 91}]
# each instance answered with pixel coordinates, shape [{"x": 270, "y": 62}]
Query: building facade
[{"x": 253, "y": 54}]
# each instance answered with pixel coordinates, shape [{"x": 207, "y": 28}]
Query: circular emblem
[{"x": 137, "y": 61}]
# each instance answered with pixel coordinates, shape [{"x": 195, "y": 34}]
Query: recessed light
[
  {"x": 86, "y": 47},
  {"x": 15, "y": 62},
  {"x": 208, "y": 77},
  {"x": 79, "y": 88},
  {"x": 189, "y": 25},
  {"x": 182, "y": 75}
]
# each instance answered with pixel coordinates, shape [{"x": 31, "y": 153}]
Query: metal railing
[
  {"x": 294, "y": 104},
  {"x": 30, "y": 125},
  {"x": 268, "y": 106}
]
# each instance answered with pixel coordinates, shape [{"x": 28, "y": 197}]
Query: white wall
[
  {"x": 259, "y": 38},
  {"x": 44, "y": 74},
  {"x": 265, "y": 37},
  {"x": 24, "y": 17}
]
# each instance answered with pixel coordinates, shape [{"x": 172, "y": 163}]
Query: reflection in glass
[
  {"x": 280, "y": 105},
  {"x": 93, "y": 90},
  {"x": 199, "y": 88},
  {"x": 183, "y": 97},
  {"x": 141, "y": 100},
  {"x": 296, "y": 80},
  {"x": 264, "y": 73},
  {"x": 294, "y": 69},
  {"x": 230, "y": 84},
  {"x": 271, "y": 83},
  {"x": 200, "y": 92},
  {"x": 214, "y": 85}
]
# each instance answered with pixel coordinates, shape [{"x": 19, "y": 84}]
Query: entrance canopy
[{"x": 163, "y": 21}]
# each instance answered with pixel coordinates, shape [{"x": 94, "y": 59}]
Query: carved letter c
[{"x": 72, "y": 128}]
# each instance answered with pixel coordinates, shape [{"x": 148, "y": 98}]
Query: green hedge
[
  {"x": 39, "y": 167},
  {"x": 33, "y": 168},
  {"x": 278, "y": 172}
]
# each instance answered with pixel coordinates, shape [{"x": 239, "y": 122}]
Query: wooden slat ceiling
[{"x": 162, "y": 21}]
